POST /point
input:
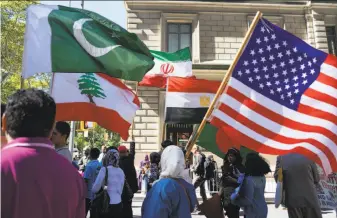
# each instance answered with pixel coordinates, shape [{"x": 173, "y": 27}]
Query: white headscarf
[{"x": 172, "y": 162}]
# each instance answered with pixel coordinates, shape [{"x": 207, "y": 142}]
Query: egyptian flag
[{"x": 187, "y": 99}]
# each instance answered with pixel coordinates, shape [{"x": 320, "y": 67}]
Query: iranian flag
[
  {"x": 64, "y": 39},
  {"x": 178, "y": 64},
  {"x": 95, "y": 97},
  {"x": 188, "y": 99}
]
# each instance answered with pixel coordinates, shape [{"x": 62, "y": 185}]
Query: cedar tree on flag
[
  {"x": 188, "y": 99},
  {"x": 282, "y": 98},
  {"x": 63, "y": 39},
  {"x": 95, "y": 97},
  {"x": 178, "y": 64}
]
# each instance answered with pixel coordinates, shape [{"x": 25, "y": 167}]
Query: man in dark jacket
[{"x": 127, "y": 164}]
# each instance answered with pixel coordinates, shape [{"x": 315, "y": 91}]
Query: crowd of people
[{"x": 39, "y": 179}]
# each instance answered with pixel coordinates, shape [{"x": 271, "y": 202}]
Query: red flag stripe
[
  {"x": 192, "y": 85},
  {"x": 322, "y": 114},
  {"x": 259, "y": 147},
  {"x": 327, "y": 80},
  {"x": 312, "y": 93},
  {"x": 274, "y": 136}
]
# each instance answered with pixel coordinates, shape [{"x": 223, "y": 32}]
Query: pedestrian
[
  {"x": 141, "y": 170},
  {"x": 210, "y": 173},
  {"x": 251, "y": 197},
  {"x": 36, "y": 182},
  {"x": 127, "y": 164},
  {"x": 170, "y": 196},
  {"x": 300, "y": 177},
  {"x": 90, "y": 174},
  {"x": 85, "y": 159},
  {"x": 198, "y": 168},
  {"x": 231, "y": 170},
  {"x": 59, "y": 138},
  {"x": 115, "y": 183},
  {"x": 154, "y": 169},
  {"x": 103, "y": 152}
]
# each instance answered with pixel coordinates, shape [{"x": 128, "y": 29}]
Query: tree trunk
[{"x": 91, "y": 99}]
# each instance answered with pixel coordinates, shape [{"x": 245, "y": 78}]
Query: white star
[
  {"x": 272, "y": 92},
  {"x": 275, "y": 75},
  {"x": 265, "y": 68},
  {"x": 258, "y": 77},
  {"x": 284, "y": 43},
  {"x": 280, "y": 55},
  {"x": 245, "y": 63},
  {"x": 292, "y": 101},
  {"x": 299, "y": 58},
  {"x": 291, "y": 61},
  {"x": 266, "y": 76},
  {"x": 266, "y": 39},
  {"x": 293, "y": 70},
  {"x": 263, "y": 59},
  {"x": 305, "y": 82},
  {"x": 296, "y": 84},
  {"x": 268, "y": 47},
  {"x": 277, "y": 82},
  {"x": 309, "y": 63},
  {"x": 295, "y": 78},
  {"x": 282, "y": 97},
  {"x": 284, "y": 73},
  {"x": 274, "y": 66},
  {"x": 250, "y": 79},
  {"x": 261, "y": 86},
  {"x": 295, "y": 49},
  {"x": 247, "y": 71},
  {"x": 282, "y": 64},
  {"x": 254, "y": 62},
  {"x": 287, "y": 87},
  {"x": 240, "y": 73},
  {"x": 286, "y": 80},
  {"x": 271, "y": 57},
  {"x": 279, "y": 89},
  {"x": 289, "y": 94},
  {"x": 296, "y": 91},
  {"x": 302, "y": 67},
  {"x": 304, "y": 75},
  {"x": 273, "y": 36},
  {"x": 305, "y": 55},
  {"x": 258, "y": 41},
  {"x": 288, "y": 52},
  {"x": 277, "y": 46},
  {"x": 312, "y": 71},
  {"x": 260, "y": 50},
  {"x": 256, "y": 70},
  {"x": 252, "y": 52},
  {"x": 314, "y": 60},
  {"x": 268, "y": 83},
  {"x": 262, "y": 29}
]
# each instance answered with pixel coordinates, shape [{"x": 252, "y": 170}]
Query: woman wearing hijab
[
  {"x": 170, "y": 196},
  {"x": 252, "y": 191},
  {"x": 114, "y": 185},
  {"x": 154, "y": 169},
  {"x": 231, "y": 170}
]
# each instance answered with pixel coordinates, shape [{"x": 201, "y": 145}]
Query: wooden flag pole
[
  {"x": 133, "y": 122},
  {"x": 22, "y": 83},
  {"x": 223, "y": 85}
]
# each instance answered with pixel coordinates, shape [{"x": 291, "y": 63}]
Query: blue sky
[{"x": 113, "y": 10}]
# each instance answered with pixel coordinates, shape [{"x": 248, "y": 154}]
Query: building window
[
  {"x": 332, "y": 42},
  {"x": 179, "y": 36}
]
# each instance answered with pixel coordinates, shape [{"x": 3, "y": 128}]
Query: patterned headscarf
[{"x": 111, "y": 158}]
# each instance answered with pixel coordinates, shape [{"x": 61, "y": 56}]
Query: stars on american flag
[{"x": 276, "y": 68}]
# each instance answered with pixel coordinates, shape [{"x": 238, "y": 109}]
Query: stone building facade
[{"x": 214, "y": 31}]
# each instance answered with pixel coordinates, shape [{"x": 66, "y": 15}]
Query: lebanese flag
[
  {"x": 178, "y": 64},
  {"x": 188, "y": 99},
  {"x": 95, "y": 97}
]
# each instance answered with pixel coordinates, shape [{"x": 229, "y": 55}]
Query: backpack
[
  {"x": 200, "y": 171},
  {"x": 209, "y": 170}
]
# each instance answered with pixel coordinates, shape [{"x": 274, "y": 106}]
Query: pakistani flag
[
  {"x": 63, "y": 39},
  {"x": 218, "y": 142}
]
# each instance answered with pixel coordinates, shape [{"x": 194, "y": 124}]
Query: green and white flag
[{"x": 64, "y": 39}]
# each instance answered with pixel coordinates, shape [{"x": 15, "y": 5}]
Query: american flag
[{"x": 282, "y": 98}]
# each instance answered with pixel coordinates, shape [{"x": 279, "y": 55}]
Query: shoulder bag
[{"x": 101, "y": 202}]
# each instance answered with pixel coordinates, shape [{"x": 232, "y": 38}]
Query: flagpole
[
  {"x": 223, "y": 86},
  {"x": 72, "y": 123},
  {"x": 133, "y": 122},
  {"x": 22, "y": 82}
]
